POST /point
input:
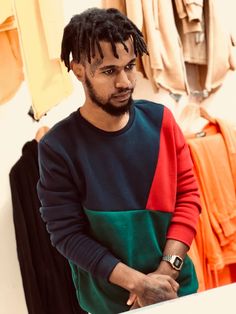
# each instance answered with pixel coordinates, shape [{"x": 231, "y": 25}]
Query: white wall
[{"x": 16, "y": 127}]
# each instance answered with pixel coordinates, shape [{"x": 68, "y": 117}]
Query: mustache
[{"x": 121, "y": 91}]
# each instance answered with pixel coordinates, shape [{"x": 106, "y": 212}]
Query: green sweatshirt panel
[{"x": 137, "y": 238}]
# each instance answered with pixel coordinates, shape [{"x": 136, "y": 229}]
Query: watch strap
[{"x": 175, "y": 261}]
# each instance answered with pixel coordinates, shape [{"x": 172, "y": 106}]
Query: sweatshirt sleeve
[
  {"x": 187, "y": 204},
  {"x": 174, "y": 188},
  {"x": 64, "y": 216}
]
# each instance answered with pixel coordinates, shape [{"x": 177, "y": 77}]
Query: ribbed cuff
[
  {"x": 181, "y": 233},
  {"x": 105, "y": 266}
]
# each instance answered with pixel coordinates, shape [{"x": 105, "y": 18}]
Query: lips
[{"x": 122, "y": 96}]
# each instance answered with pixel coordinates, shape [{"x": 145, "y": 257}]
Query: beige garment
[
  {"x": 193, "y": 9},
  {"x": 191, "y": 27},
  {"x": 134, "y": 9},
  {"x": 47, "y": 78},
  {"x": 220, "y": 59},
  {"x": 10, "y": 57},
  {"x": 10, "y": 61},
  {"x": 166, "y": 49},
  {"x": 117, "y": 4},
  {"x": 5, "y": 10},
  {"x": 9, "y": 24},
  {"x": 164, "y": 65},
  {"x": 219, "y": 49},
  {"x": 190, "y": 13},
  {"x": 173, "y": 76},
  {"x": 53, "y": 25},
  {"x": 138, "y": 12},
  {"x": 153, "y": 34}
]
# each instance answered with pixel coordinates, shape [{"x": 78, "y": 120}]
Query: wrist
[
  {"x": 165, "y": 268},
  {"x": 126, "y": 277}
]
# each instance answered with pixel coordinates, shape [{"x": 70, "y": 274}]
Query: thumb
[{"x": 132, "y": 298}]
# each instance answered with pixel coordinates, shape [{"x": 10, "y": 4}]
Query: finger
[
  {"x": 173, "y": 295},
  {"x": 135, "y": 306},
  {"x": 132, "y": 298},
  {"x": 174, "y": 284}
]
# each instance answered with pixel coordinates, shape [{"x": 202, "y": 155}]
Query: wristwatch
[{"x": 175, "y": 261}]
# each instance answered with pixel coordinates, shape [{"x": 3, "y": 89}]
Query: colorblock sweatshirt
[{"x": 144, "y": 167}]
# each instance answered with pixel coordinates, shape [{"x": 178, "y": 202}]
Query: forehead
[{"x": 109, "y": 58}]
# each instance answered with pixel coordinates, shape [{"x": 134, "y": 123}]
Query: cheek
[
  {"x": 133, "y": 77},
  {"x": 133, "y": 82},
  {"x": 105, "y": 86}
]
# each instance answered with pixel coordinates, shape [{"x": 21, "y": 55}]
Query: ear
[{"x": 78, "y": 70}]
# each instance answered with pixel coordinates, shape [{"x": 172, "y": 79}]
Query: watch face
[{"x": 177, "y": 262}]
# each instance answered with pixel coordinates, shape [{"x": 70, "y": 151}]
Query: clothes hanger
[
  {"x": 204, "y": 114},
  {"x": 41, "y": 132}
]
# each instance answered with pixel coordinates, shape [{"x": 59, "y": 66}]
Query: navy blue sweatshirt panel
[
  {"x": 83, "y": 166},
  {"x": 66, "y": 222}
]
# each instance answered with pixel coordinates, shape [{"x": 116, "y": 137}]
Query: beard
[{"x": 107, "y": 106}]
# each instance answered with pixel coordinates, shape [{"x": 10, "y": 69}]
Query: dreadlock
[{"x": 84, "y": 32}]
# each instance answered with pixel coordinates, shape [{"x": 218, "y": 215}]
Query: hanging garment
[
  {"x": 46, "y": 274},
  {"x": 190, "y": 22},
  {"x": 47, "y": 78},
  {"x": 6, "y": 10},
  {"x": 10, "y": 57},
  {"x": 197, "y": 261},
  {"x": 52, "y": 25},
  {"x": 39, "y": 26},
  {"x": 168, "y": 51},
  {"x": 214, "y": 159}
]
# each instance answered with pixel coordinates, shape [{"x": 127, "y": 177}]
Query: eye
[
  {"x": 109, "y": 72},
  {"x": 130, "y": 66}
]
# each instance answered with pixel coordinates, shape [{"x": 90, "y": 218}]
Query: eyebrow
[{"x": 112, "y": 66}]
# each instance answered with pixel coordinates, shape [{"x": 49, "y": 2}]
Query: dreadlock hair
[{"x": 84, "y": 32}]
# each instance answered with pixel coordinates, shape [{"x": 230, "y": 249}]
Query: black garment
[{"x": 46, "y": 274}]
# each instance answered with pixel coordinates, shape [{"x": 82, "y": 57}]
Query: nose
[{"x": 122, "y": 80}]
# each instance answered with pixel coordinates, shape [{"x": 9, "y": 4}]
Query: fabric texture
[
  {"x": 46, "y": 275},
  {"x": 85, "y": 171}
]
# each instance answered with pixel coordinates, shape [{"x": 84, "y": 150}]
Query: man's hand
[
  {"x": 154, "y": 288},
  {"x": 144, "y": 289}
]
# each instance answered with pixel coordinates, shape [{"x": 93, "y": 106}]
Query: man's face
[{"x": 109, "y": 82}]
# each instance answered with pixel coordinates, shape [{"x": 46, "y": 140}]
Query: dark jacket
[{"x": 46, "y": 274}]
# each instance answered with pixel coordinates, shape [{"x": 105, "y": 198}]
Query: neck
[{"x": 103, "y": 120}]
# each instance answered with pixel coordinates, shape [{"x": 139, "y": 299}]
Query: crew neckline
[{"x": 109, "y": 133}]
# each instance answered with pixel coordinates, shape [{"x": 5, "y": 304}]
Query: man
[{"x": 116, "y": 182}]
